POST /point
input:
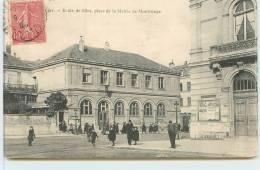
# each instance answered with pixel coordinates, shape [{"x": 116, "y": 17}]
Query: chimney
[
  {"x": 107, "y": 46},
  {"x": 81, "y": 44},
  {"x": 171, "y": 64}
]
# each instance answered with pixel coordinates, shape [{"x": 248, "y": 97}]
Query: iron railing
[{"x": 20, "y": 88}]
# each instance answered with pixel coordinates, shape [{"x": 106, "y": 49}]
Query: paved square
[{"x": 151, "y": 146}]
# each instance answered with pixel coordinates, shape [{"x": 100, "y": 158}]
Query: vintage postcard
[{"x": 135, "y": 79}]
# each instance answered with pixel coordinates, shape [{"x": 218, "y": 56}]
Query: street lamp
[{"x": 176, "y": 107}]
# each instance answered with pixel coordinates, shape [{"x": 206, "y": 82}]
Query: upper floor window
[
  {"x": 188, "y": 86},
  {"x": 86, "y": 77},
  {"x": 189, "y": 101},
  {"x": 148, "y": 83},
  {"x": 86, "y": 107},
  {"x": 134, "y": 80},
  {"x": 180, "y": 86},
  {"x": 148, "y": 111},
  {"x": 134, "y": 108},
  {"x": 181, "y": 101},
  {"x": 119, "y": 78},
  {"x": 244, "y": 20},
  {"x": 244, "y": 81},
  {"x": 160, "y": 83},
  {"x": 104, "y": 77}
]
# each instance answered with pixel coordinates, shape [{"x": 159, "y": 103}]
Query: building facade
[
  {"x": 19, "y": 84},
  {"x": 106, "y": 86},
  {"x": 185, "y": 97},
  {"x": 223, "y": 63}
]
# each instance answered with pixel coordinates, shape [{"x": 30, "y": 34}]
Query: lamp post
[{"x": 176, "y": 107}]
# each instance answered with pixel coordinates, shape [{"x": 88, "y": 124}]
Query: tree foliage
[{"x": 56, "y": 102}]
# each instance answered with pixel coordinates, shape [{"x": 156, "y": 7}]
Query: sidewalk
[{"x": 240, "y": 147}]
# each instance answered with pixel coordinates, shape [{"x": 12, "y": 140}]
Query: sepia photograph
[{"x": 130, "y": 80}]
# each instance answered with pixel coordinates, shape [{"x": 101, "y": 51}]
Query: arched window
[
  {"x": 119, "y": 108},
  {"x": 148, "y": 111},
  {"x": 103, "y": 106},
  {"x": 85, "y": 107},
  {"x": 244, "y": 20},
  {"x": 161, "y": 109},
  {"x": 134, "y": 108},
  {"x": 244, "y": 81}
]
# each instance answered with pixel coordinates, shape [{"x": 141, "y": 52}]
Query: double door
[{"x": 245, "y": 108}]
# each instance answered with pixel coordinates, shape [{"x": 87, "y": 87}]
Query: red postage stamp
[{"x": 27, "y": 21}]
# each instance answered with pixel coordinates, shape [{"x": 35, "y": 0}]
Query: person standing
[
  {"x": 94, "y": 136},
  {"x": 123, "y": 131},
  {"x": 117, "y": 128},
  {"x": 129, "y": 132},
  {"x": 143, "y": 128},
  {"x": 112, "y": 134},
  {"x": 86, "y": 127},
  {"x": 172, "y": 133},
  {"x": 31, "y": 136},
  {"x": 135, "y": 135}
]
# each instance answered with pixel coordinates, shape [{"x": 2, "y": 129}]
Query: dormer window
[{"x": 244, "y": 15}]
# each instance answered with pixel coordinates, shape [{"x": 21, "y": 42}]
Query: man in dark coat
[
  {"x": 86, "y": 127},
  {"x": 172, "y": 133},
  {"x": 94, "y": 136},
  {"x": 143, "y": 128},
  {"x": 129, "y": 132},
  {"x": 31, "y": 136},
  {"x": 123, "y": 131},
  {"x": 112, "y": 134}
]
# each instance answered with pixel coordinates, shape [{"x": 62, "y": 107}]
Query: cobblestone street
[{"x": 77, "y": 147}]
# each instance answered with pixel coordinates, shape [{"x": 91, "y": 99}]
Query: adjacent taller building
[{"x": 223, "y": 63}]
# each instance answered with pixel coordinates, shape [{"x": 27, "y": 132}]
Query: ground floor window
[
  {"x": 119, "y": 108},
  {"x": 161, "y": 109},
  {"x": 85, "y": 107},
  {"x": 134, "y": 108}
]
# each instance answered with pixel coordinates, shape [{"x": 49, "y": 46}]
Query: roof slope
[
  {"x": 11, "y": 61},
  {"x": 94, "y": 56},
  {"x": 109, "y": 57}
]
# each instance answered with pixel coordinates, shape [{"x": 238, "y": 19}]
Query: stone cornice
[{"x": 103, "y": 91}]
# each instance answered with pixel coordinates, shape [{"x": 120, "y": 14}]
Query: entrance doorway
[
  {"x": 245, "y": 104},
  {"x": 103, "y": 120}
]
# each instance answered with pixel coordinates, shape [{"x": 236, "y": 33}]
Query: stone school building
[{"x": 102, "y": 85}]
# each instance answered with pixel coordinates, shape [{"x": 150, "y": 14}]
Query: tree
[{"x": 57, "y": 102}]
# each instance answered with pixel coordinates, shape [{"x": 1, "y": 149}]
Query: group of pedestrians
[
  {"x": 91, "y": 134},
  {"x": 131, "y": 131},
  {"x": 153, "y": 128}
]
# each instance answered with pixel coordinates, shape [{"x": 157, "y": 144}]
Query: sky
[{"x": 161, "y": 37}]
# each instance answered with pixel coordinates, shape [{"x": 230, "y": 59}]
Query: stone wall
[{"x": 18, "y": 125}]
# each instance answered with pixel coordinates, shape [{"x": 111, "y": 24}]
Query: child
[
  {"x": 94, "y": 136},
  {"x": 135, "y": 135}
]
